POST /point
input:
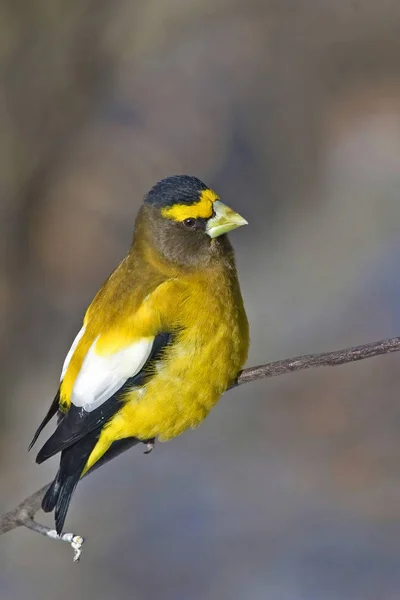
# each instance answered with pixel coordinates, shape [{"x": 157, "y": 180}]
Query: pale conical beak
[{"x": 225, "y": 220}]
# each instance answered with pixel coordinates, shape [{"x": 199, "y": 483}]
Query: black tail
[
  {"x": 72, "y": 463},
  {"x": 51, "y": 496},
  {"x": 64, "y": 498}
]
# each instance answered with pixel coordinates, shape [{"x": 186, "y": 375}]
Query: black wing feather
[
  {"x": 77, "y": 435},
  {"x": 78, "y": 422},
  {"x": 50, "y": 414}
]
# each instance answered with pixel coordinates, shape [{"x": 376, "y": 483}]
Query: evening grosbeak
[{"x": 165, "y": 336}]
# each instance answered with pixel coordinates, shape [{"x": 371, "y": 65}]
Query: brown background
[{"x": 291, "y": 110}]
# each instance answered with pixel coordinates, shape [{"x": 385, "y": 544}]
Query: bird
[{"x": 165, "y": 336}]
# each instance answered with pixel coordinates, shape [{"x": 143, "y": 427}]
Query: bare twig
[
  {"x": 23, "y": 515},
  {"x": 326, "y": 359}
]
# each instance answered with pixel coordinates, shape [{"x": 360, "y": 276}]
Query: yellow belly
[
  {"x": 183, "y": 391},
  {"x": 201, "y": 363}
]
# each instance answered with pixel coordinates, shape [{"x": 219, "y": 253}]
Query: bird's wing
[
  {"x": 71, "y": 351},
  {"x": 104, "y": 376},
  {"x": 100, "y": 377},
  {"x": 55, "y": 405},
  {"x": 99, "y": 390}
]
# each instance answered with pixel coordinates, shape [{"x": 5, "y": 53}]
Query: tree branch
[
  {"x": 325, "y": 359},
  {"x": 23, "y": 514}
]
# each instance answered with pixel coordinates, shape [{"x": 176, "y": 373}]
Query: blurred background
[{"x": 291, "y": 111}]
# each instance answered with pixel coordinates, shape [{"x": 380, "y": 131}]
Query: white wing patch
[
  {"x": 101, "y": 376},
  {"x": 71, "y": 352}
]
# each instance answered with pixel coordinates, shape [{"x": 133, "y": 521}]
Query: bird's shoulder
[{"x": 124, "y": 318}]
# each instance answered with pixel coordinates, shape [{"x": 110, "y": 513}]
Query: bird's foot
[{"x": 149, "y": 445}]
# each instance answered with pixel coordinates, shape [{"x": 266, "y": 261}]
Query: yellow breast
[{"x": 205, "y": 357}]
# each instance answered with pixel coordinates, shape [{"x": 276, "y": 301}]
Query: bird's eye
[{"x": 190, "y": 223}]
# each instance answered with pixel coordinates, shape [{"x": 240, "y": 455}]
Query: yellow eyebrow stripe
[{"x": 202, "y": 209}]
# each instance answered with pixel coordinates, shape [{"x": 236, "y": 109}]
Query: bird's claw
[
  {"x": 150, "y": 445},
  {"x": 76, "y": 542},
  {"x": 76, "y": 546}
]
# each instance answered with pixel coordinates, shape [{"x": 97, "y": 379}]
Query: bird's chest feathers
[
  {"x": 212, "y": 335},
  {"x": 209, "y": 350}
]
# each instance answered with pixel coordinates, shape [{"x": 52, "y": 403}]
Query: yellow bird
[{"x": 164, "y": 337}]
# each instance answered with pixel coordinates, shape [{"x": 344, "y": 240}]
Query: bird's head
[{"x": 185, "y": 217}]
